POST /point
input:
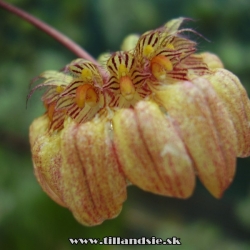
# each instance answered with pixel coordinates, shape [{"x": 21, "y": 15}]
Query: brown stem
[{"x": 64, "y": 40}]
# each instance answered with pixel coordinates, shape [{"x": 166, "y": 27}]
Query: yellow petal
[
  {"x": 212, "y": 61},
  {"x": 38, "y": 127},
  {"x": 223, "y": 124},
  {"x": 173, "y": 25},
  {"x": 151, "y": 152},
  {"x": 94, "y": 186},
  {"x": 129, "y": 42},
  {"x": 189, "y": 106},
  {"x": 103, "y": 58},
  {"x": 234, "y": 96},
  {"x": 46, "y": 156}
]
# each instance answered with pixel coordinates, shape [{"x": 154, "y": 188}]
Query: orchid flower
[{"x": 155, "y": 115}]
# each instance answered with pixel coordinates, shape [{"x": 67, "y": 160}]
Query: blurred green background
[{"x": 28, "y": 218}]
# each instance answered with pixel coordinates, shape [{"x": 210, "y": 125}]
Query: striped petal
[
  {"x": 234, "y": 96},
  {"x": 47, "y": 159},
  {"x": 203, "y": 124},
  {"x": 151, "y": 152},
  {"x": 94, "y": 186},
  {"x": 223, "y": 124}
]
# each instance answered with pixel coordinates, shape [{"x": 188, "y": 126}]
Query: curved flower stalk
[{"x": 156, "y": 115}]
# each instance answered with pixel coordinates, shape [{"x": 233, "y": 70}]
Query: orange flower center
[
  {"x": 85, "y": 94},
  {"x": 127, "y": 87},
  {"x": 159, "y": 66}
]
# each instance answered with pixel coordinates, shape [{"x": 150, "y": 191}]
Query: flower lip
[
  {"x": 85, "y": 93},
  {"x": 159, "y": 66},
  {"x": 127, "y": 88}
]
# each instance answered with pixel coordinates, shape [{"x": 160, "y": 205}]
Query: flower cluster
[{"x": 154, "y": 114}]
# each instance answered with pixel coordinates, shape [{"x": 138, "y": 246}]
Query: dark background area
[{"x": 29, "y": 219}]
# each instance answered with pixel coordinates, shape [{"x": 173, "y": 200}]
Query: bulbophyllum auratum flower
[
  {"x": 156, "y": 115},
  {"x": 126, "y": 82}
]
